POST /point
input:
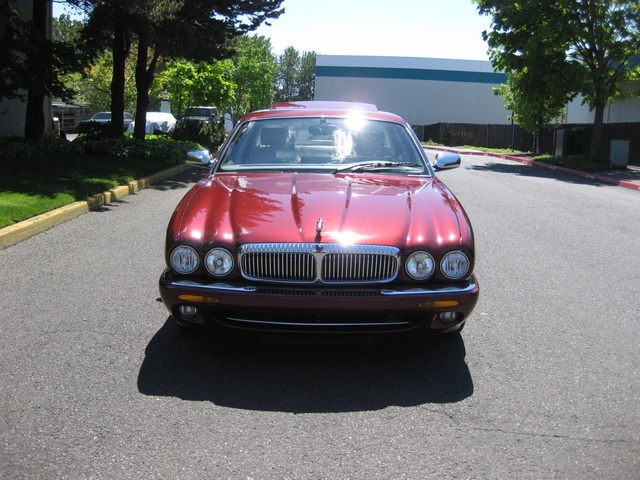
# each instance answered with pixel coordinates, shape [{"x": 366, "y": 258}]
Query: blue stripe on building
[{"x": 411, "y": 74}]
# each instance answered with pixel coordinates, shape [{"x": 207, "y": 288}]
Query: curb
[
  {"x": 577, "y": 173},
  {"x": 27, "y": 228}
]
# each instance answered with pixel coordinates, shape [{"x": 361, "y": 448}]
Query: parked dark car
[
  {"x": 100, "y": 119},
  {"x": 321, "y": 218},
  {"x": 201, "y": 115}
]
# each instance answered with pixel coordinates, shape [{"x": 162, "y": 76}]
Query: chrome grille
[
  {"x": 358, "y": 267},
  {"x": 318, "y": 263}
]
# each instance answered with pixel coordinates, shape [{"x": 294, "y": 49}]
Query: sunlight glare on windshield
[
  {"x": 356, "y": 121},
  {"x": 344, "y": 144}
]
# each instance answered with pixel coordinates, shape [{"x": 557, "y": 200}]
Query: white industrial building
[
  {"x": 422, "y": 90},
  {"x": 429, "y": 90}
]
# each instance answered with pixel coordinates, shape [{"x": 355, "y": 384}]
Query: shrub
[
  {"x": 160, "y": 148},
  {"x": 19, "y": 147},
  {"x": 154, "y": 147},
  {"x": 210, "y": 135}
]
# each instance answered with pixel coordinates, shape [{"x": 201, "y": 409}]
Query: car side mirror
[
  {"x": 446, "y": 161},
  {"x": 199, "y": 157}
]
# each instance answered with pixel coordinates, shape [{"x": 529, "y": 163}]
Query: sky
[{"x": 398, "y": 28}]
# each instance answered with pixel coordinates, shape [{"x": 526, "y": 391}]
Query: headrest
[{"x": 274, "y": 136}]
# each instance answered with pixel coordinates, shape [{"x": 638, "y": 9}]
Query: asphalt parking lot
[{"x": 97, "y": 382}]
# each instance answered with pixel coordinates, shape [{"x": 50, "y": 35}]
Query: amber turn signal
[
  {"x": 198, "y": 299},
  {"x": 439, "y": 304}
]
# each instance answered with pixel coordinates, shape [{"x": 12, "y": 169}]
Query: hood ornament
[{"x": 319, "y": 226}]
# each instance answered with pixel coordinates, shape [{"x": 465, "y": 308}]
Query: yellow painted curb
[{"x": 32, "y": 226}]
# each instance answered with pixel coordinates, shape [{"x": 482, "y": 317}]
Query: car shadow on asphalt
[
  {"x": 183, "y": 179},
  {"x": 303, "y": 378},
  {"x": 535, "y": 172}
]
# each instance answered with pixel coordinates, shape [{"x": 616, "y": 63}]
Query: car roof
[
  {"x": 323, "y": 109},
  {"x": 325, "y": 105}
]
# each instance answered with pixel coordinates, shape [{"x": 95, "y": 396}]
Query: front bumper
[{"x": 386, "y": 309}]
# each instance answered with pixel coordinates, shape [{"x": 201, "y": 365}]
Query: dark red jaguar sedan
[{"x": 321, "y": 218}]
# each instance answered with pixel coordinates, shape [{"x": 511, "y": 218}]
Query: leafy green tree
[
  {"x": 253, "y": 74},
  {"x": 533, "y": 111},
  {"x": 307, "y": 76},
  {"x": 187, "y": 83},
  {"x": 106, "y": 29},
  {"x": 552, "y": 50},
  {"x": 91, "y": 83},
  {"x": 540, "y": 80},
  {"x": 287, "y": 76},
  {"x": 196, "y": 29},
  {"x": 97, "y": 83},
  {"x": 239, "y": 84},
  {"x": 172, "y": 32},
  {"x": 295, "y": 78},
  {"x": 67, "y": 31},
  {"x": 606, "y": 43}
]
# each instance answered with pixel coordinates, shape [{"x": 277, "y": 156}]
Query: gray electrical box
[
  {"x": 561, "y": 143},
  {"x": 619, "y": 153}
]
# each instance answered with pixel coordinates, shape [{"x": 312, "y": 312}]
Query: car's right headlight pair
[
  {"x": 218, "y": 261},
  {"x": 421, "y": 265}
]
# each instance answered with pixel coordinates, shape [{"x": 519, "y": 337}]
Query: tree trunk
[
  {"x": 144, "y": 78},
  {"x": 34, "y": 126},
  {"x": 121, "y": 45},
  {"x": 595, "y": 149}
]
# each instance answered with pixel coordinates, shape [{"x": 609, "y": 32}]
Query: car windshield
[
  {"x": 324, "y": 144},
  {"x": 102, "y": 116}
]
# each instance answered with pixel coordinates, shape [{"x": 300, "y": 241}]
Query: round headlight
[
  {"x": 420, "y": 265},
  {"x": 184, "y": 260},
  {"x": 454, "y": 265},
  {"x": 219, "y": 262}
]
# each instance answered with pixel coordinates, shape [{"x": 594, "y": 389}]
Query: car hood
[{"x": 349, "y": 208}]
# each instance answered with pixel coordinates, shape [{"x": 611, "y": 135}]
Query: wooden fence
[{"x": 577, "y": 137}]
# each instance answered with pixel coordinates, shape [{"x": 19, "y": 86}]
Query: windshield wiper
[{"x": 373, "y": 166}]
